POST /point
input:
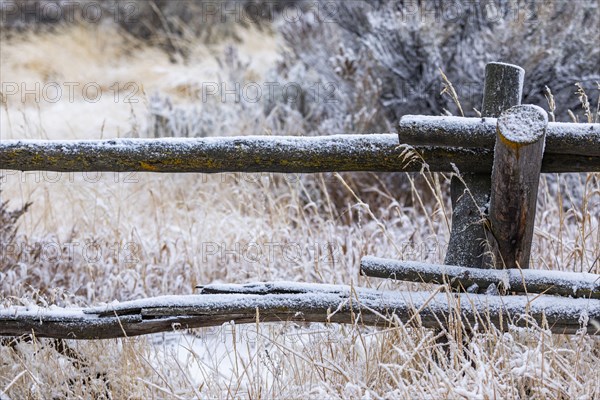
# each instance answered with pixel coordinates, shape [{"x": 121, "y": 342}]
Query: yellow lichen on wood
[
  {"x": 509, "y": 143},
  {"x": 148, "y": 167}
]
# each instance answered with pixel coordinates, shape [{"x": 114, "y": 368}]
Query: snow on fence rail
[
  {"x": 285, "y": 154},
  {"x": 515, "y": 148},
  {"x": 561, "y": 137},
  {"x": 573, "y": 284},
  {"x": 287, "y": 301}
]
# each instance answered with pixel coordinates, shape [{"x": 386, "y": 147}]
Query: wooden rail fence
[
  {"x": 299, "y": 154},
  {"x": 500, "y": 157}
]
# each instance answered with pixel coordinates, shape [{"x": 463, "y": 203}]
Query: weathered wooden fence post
[
  {"x": 518, "y": 153},
  {"x": 467, "y": 246}
]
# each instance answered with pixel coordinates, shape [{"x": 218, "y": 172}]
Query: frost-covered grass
[{"x": 94, "y": 238}]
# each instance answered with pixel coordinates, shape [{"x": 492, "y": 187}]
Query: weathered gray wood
[
  {"x": 561, "y": 138},
  {"x": 285, "y": 154},
  {"x": 515, "y": 179},
  {"x": 503, "y": 88},
  {"x": 468, "y": 244},
  {"x": 570, "y": 284},
  {"x": 560, "y": 162},
  {"x": 377, "y": 152},
  {"x": 285, "y": 302}
]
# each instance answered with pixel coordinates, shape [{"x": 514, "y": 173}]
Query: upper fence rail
[
  {"x": 443, "y": 143},
  {"x": 561, "y": 138}
]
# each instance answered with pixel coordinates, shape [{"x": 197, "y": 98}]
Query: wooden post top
[
  {"x": 523, "y": 124},
  {"x": 503, "y": 88}
]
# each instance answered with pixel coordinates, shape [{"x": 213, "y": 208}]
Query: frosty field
[{"x": 92, "y": 238}]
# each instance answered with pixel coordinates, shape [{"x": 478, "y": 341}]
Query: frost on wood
[
  {"x": 288, "y": 301},
  {"x": 570, "y": 284},
  {"x": 468, "y": 243},
  {"x": 561, "y": 138},
  {"x": 503, "y": 88},
  {"x": 522, "y": 125},
  {"x": 286, "y": 154},
  {"x": 376, "y": 152},
  {"x": 515, "y": 178}
]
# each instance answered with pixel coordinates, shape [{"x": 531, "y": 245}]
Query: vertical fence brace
[
  {"x": 468, "y": 239},
  {"x": 518, "y": 153}
]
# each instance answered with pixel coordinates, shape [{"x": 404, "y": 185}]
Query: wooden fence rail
[
  {"x": 285, "y": 154},
  {"x": 561, "y": 137},
  {"x": 283, "y": 301},
  {"x": 569, "y": 284}
]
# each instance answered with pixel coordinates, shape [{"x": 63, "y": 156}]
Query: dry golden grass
[{"x": 156, "y": 234}]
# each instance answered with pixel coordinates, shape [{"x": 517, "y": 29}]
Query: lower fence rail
[
  {"x": 571, "y": 284},
  {"x": 289, "y": 301}
]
